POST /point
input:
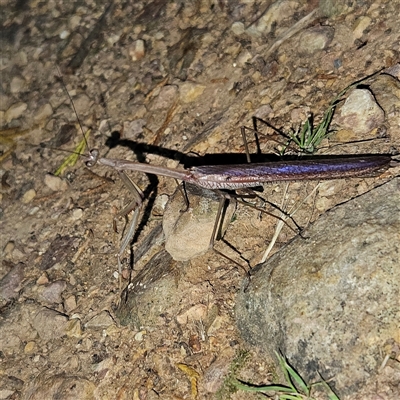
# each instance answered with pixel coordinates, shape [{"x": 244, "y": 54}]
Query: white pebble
[
  {"x": 64, "y": 34},
  {"x": 77, "y": 213}
]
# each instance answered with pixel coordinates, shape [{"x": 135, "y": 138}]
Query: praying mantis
[{"x": 230, "y": 177}]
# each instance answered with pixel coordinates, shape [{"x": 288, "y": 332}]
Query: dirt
[{"x": 200, "y": 76}]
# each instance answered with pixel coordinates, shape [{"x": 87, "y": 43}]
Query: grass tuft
[
  {"x": 308, "y": 137},
  {"x": 295, "y": 387}
]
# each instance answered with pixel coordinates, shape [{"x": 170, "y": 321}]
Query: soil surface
[{"x": 161, "y": 83}]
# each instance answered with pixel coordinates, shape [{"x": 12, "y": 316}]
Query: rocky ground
[{"x": 162, "y": 82}]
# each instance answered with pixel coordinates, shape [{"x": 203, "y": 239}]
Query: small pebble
[
  {"x": 55, "y": 183},
  {"x": 139, "y": 336},
  {"x": 52, "y": 293},
  {"x": 7, "y": 394},
  {"x": 72, "y": 280},
  {"x": 362, "y": 24},
  {"x": 70, "y": 303},
  {"x": 17, "y": 254},
  {"x": 29, "y": 347},
  {"x": 28, "y": 196},
  {"x": 137, "y": 50},
  {"x": 50, "y": 324},
  {"x": 237, "y": 28},
  {"x": 77, "y": 213},
  {"x": 263, "y": 111},
  {"x": 10, "y": 283},
  {"x": 74, "y": 328},
  {"x": 360, "y": 113},
  {"x": 43, "y": 279},
  {"x": 43, "y": 113},
  {"x": 15, "y": 111},
  {"x": 166, "y": 97},
  {"x": 100, "y": 321},
  {"x": 21, "y": 58},
  {"x": 82, "y": 104},
  {"x": 134, "y": 128},
  {"x": 126, "y": 273},
  {"x": 9, "y": 248},
  {"x": 112, "y": 39},
  {"x": 243, "y": 58},
  {"x": 74, "y": 22},
  {"x": 17, "y": 84},
  {"x": 315, "y": 39},
  {"x": 64, "y": 34},
  {"x": 190, "y": 91},
  {"x": 33, "y": 210}
]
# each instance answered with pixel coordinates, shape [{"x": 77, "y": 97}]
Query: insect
[
  {"x": 237, "y": 176},
  {"x": 221, "y": 178}
]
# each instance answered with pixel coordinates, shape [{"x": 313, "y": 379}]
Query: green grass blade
[
  {"x": 292, "y": 377},
  {"x": 72, "y": 159},
  {"x": 297, "y": 379},
  {"x": 282, "y": 364},
  {"x": 331, "y": 394}
]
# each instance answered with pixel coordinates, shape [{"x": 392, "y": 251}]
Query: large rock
[{"x": 331, "y": 303}]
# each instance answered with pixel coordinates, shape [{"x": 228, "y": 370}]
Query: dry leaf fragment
[{"x": 193, "y": 376}]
